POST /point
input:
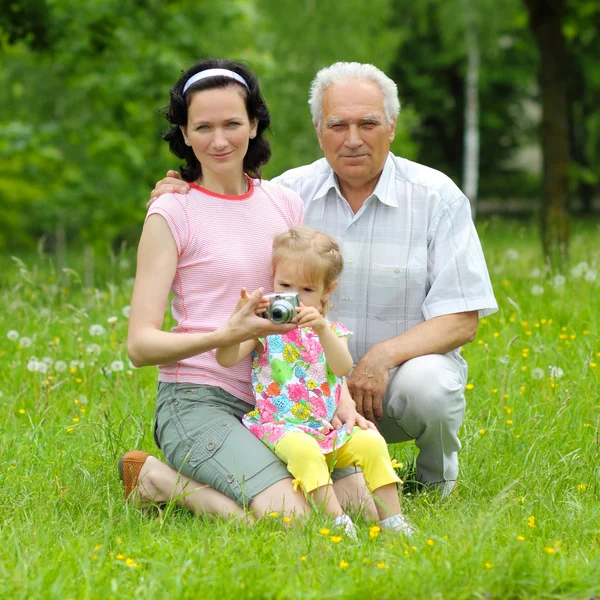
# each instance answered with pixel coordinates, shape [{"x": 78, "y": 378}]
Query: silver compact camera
[{"x": 282, "y": 307}]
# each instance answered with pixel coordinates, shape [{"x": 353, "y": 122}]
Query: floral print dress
[{"x": 295, "y": 389}]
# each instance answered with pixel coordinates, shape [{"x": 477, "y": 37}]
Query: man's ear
[
  {"x": 318, "y": 132},
  {"x": 392, "y": 133}
]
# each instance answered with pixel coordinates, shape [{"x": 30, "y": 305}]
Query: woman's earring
[
  {"x": 252, "y": 137},
  {"x": 187, "y": 143}
]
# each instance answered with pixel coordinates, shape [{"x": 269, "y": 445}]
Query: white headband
[{"x": 214, "y": 73}]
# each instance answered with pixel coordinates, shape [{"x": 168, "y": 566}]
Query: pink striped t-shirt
[{"x": 224, "y": 243}]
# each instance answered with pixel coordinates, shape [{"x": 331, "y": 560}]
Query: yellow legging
[{"x": 365, "y": 449}]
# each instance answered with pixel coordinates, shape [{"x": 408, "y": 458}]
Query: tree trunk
[
  {"x": 471, "y": 133},
  {"x": 545, "y": 22}
]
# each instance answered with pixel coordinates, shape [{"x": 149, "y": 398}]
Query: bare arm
[
  {"x": 228, "y": 356},
  {"x": 336, "y": 351},
  {"x": 147, "y": 344},
  {"x": 439, "y": 335}
]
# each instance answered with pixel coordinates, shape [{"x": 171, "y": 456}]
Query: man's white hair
[{"x": 345, "y": 71}]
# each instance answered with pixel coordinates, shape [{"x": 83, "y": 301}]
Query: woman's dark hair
[{"x": 176, "y": 113}]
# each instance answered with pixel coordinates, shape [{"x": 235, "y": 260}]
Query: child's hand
[
  {"x": 309, "y": 316},
  {"x": 261, "y": 307}
]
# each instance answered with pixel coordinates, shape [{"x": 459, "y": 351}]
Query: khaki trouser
[{"x": 425, "y": 402}]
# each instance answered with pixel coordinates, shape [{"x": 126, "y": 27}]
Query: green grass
[{"x": 530, "y": 457}]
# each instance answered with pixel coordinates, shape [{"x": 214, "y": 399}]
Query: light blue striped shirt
[{"x": 411, "y": 252}]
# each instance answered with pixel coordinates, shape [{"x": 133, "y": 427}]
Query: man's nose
[{"x": 353, "y": 139}]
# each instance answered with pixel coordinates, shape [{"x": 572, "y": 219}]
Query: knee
[
  {"x": 366, "y": 442},
  {"x": 302, "y": 449},
  {"x": 431, "y": 389}
]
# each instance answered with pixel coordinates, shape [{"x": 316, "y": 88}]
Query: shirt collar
[{"x": 383, "y": 190}]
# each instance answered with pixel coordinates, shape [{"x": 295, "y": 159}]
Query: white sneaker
[
  {"x": 344, "y": 522},
  {"x": 397, "y": 523}
]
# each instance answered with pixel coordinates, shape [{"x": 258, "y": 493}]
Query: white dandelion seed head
[
  {"x": 535, "y": 274},
  {"x": 25, "y": 342},
  {"x": 498, "y": 269},
  {"x": 97, "y": 330},
  {"x": 13, "y": 335},
  {"x": 44, "y": 312},
  {"x": 126, "y": 310},
  {"x": 512, "y": 254},
  {"x": 537, "y": 290},
  {"x": 580, "y": 269},
  {"x": 559, "y": 281},
  {"x": 82, "y": 399},
  {"x": 555, "y": 372},
  {"x": 537, "y": 373},
  {"x": 94, "y": 349},
  {"x": 590, "y": 276},
  {"x": 116, "y": 365},
  {"x": 77, "y": 364},
  {"x": 48, "y": 361},
  {"x": 60, "y": 366},
  {"x": 112, "y": 320},
  {"x": 32, "y": 365}
]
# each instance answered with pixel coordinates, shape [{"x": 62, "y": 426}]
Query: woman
[{"x": 204, "y": 247}]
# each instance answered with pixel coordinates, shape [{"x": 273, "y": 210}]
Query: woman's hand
[
  {"x": 244, "y": 324},
  {"x": 259, "y": 309},
  {"x": 309, "y": 316}
]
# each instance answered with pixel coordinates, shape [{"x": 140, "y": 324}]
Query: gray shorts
[{"x": 199, "y": 430}]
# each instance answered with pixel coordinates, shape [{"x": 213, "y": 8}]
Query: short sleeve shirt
[{"x": 411, "y": 252}]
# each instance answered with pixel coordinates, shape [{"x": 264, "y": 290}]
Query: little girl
[{"x": 298, "y": 379}]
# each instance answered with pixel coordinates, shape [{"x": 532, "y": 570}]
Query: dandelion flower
[
  {"x": 25, "y": 342},
  {"x": 582, "y": 486},
  {"x": 430, "y": 542},
  {"x": 303, "y": 558},
  {"x": 336, "y": 539},
  {"x": 549, "y": 550},
  {"x": 531, "y": 522},
  {"x": 521, "y": 538},
  {"x": 273, "y": 514},
  {"x": 22, "y": 411},
  {"x": 537, "y": 373},
  {"x": 555, "y": 372},
  {"x": 324, "y": 531},
  {"x": 537, "y": 290},
  {"x": 60, "y": 366},
  {"x": 119, "y": 557},
  {"x": 13, "y": 335},
  {"x": 579, "y": 270},
  {"x": 97, "y": 330},
  {"x": 535, "y": 274},
  {"x": 116, "y": 365},
  {"x": 93, "y": 349},
  {"x": 285, "y": 519},
  {"x": 489, "y": 565},
  {"x": 343, "y": 563},
  {"x": 481, "y": 431},
  {"x": 381, "y": 565},
  {"x": 112, "y": 320},
  {"x": 131, "y": 563},
  {"x": 559, "y": 281},
  {"x": 396, "y": 464},
  {"x": 374, "y": 531},
  {"x": 590, "y": 276},
  {"x": 470, "y": 386}
]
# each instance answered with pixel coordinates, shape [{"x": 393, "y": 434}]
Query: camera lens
[{"x": 281, "y": 312}]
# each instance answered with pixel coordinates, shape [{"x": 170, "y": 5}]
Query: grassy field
[{"x": 523, "y": 523}]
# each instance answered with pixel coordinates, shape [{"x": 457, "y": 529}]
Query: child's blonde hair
[{"x": 317, "y": 254}]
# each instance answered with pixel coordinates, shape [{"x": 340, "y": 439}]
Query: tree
[{"x": 546, "y": 18}]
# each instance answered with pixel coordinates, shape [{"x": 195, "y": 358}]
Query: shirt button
[
  {"x": 396, "y": 270},
  {"x": 210, "y": 446},
  {"x": 230, "y": 478}
]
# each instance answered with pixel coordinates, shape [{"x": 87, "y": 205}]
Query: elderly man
[{"x": 415, "y": 280}]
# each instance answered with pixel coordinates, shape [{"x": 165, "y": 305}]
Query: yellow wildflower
[
  {"x": 531, "y": 521},
  {"x": 343, "y": 564},
  {"x": 324, "y": 531},
  {"x": 287, "y": 519},
  {"x": 549, "y": 550},
  {"x": 336, "y": 539},
  {"x": 489, "y": 565},
  {"x": 481, "y": 431},
  {"x": 381, "y": 565},
  {"x": 582, "y": 486},
  {"x": 430, "y": 542},
  {"x": 374, "y": 531},
  {"x": 119, "y": 557},
  {"x": 521, "y": 538},
  {"x": 396, "y": 464},
  {"x": 470, "y": 386},
  {"x": 273, "y": 514}
]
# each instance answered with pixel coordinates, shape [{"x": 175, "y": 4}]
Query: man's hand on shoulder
[
  {"x": 368, "y": 384},
  {"x": 171, "y": 184}
]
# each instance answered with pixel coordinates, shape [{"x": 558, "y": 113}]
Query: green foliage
[{"x": 523, "y": 522}]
